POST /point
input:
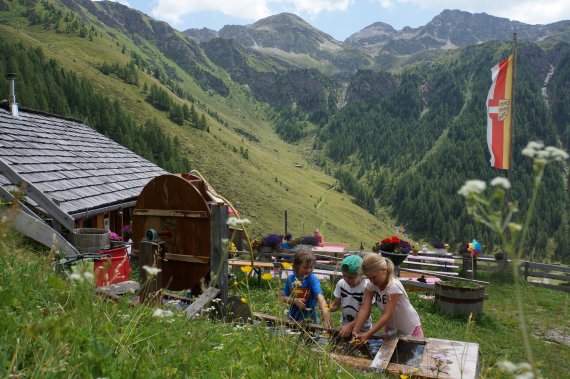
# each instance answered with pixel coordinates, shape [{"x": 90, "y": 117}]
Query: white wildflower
[
  {"x": 542, "y": 154},
  {"x": 472, "y": 187},
  {"x": 161, "y": 313},
  {"x": 152, "y": 271},
  {"x": 557, "y": 154},
  {"x": 528, "y": 152},
  {"x": 507, "y": 366},
  {"x": 75, "y": 276},
  {"x": 514, "y": 227},
  {"x": 88, "y": 275},
  {"x": 532, "y": 148},
  {"x": 502, "y": 182},
  {"x": 524, "y": 375},
  {"x": 234, "y": 221},
  {"x": 524, "y": 366},
  {"x": 219, "y": 347}
]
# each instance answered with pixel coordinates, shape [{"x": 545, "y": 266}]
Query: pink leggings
[{"x": 418, "y": 331}]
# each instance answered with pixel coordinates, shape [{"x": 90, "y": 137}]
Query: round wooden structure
[
  {"x": 453, "y": 299},
  {"x": 177, "y": 207}
]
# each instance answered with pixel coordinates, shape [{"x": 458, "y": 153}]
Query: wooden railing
[{"x": 545, "y": 271}]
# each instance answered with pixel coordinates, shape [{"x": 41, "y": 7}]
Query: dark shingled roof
[{"x": 78, "y": 168}]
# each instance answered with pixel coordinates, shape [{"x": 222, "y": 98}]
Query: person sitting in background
[
  {"x": 286, "y": 244},
  {"x": 319, "y": 237}
]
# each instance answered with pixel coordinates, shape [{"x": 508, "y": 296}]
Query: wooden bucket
[
  {"x": 90, "y": 240},
  {"x": 452, "y": 299}
]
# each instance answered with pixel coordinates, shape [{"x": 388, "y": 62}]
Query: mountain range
[
  {"x": 353, "y": 137},
  {"x": 287, "y": 35}
]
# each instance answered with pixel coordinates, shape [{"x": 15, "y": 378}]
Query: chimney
[{"x": 12, "y": 99}]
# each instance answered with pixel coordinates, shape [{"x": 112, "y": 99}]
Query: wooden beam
[
  {"x": 38, "y": 230},
  {"x": 38, "y": 196},
  {"x": 355, "y": 362},
  {"x": 170, "y": 213},
  {"x": 382, "y": 358},
  {"x": 186, "y": 258},
  {"x": 198, "y": 304}
]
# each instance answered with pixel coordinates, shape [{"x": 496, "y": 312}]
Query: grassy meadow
[{"x": 55, "y": 328}]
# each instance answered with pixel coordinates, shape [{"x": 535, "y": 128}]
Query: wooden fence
[{"x": 549, "y": 272}]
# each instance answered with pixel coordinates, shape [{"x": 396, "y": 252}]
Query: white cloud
[
  {"x": 172, "y": 10},
  {"x": 314, "y": 7}
]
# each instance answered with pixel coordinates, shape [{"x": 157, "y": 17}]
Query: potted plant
[
  {"x": 393, "y": 248},
  {"x": 440, "y": 247},
  {"x": 271, "y": 242}
]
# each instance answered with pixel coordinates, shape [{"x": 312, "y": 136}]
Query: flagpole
[{"x": 514, "y": 54}]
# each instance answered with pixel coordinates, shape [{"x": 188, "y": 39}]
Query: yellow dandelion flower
[
  {"x": 402, "y": 376},
  {"x": 267, "y": 276},
  {"x": 233, "y": 247},
  {"x": 286, "y": 265},
  {"x": 244, "y": 300},
  {"x": 416, "y": 369},
  {"x": 246, "y": 269}
]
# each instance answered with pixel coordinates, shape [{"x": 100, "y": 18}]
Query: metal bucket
[{"x": 90, "y": 240}]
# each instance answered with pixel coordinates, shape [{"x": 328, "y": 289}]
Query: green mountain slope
[
  {"x": 400, "y": 143},
  {"x": 418, "y": 144},
  {"x": 240, "y": 156}
]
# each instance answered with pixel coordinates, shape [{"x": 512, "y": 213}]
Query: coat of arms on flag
[{"x": 499, "y": 109}]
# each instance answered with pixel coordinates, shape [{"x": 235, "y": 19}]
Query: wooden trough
[{"x": 413, "y": 356}]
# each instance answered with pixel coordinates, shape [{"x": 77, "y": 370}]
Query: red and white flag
[{"x": 499, "y": 113}]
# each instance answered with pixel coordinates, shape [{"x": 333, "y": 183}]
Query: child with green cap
[{"x": 349, "y": 294}]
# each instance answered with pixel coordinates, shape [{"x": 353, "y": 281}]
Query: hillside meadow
[
  {"x": 56, "y": 328},
  {"x": 275, "y": 176}
]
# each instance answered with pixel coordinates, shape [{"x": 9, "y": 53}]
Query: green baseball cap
[{"x": 351, "y": 264}]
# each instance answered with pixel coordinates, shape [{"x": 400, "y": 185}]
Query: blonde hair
[
  {"x": 303, "y": 257},
  {"x": 375, "y": 262}
]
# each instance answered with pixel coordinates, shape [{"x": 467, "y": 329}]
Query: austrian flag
[{"x": 499, "y": 114}]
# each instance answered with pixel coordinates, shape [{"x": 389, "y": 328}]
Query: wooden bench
[
  {"x": 257, "y": 266},
  {"x": 439, "y": 274},
  {"x": 438, "y": 263}
]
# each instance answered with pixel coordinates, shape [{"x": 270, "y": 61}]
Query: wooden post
[
  {"x": 219, "y": 266},
  {"x": 150, "y": 254}
]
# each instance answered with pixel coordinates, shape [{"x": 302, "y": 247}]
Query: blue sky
[{"x": 341, "y": 18}]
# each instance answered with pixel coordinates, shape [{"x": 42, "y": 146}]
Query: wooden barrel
[
  {"x": 454, "y": 299},
  {"x": 90, "y": 240}
]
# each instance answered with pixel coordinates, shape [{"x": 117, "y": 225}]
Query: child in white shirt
[{"x": 349, "y": 295}]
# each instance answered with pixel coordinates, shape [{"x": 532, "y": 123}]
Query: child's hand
[
  {"x": 327, "y": 321},
  {"x": 300, "y": 303},
  {"x": 345, "y": 331},
  {"x": 361, "y": 338}
]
